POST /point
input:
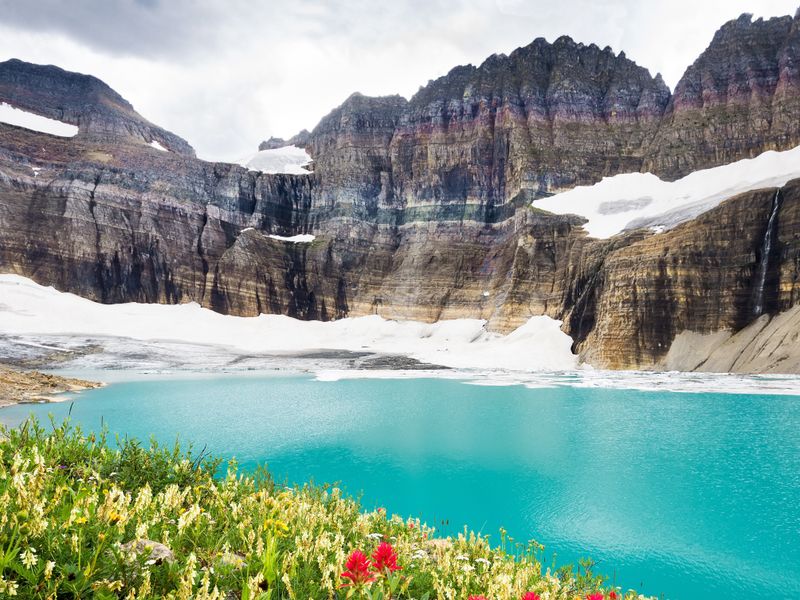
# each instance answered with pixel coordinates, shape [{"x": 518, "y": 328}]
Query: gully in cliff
[{"x": 764, "y": 255}]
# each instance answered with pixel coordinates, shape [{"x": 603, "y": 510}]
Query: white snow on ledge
[
  {"x": 633, "y": 200},
  {"x": 28, "y": 120},
  {"x": 157, "y": 146},
  {"x": 288, "y": 159},
  {"x": 302, "y": 238},
  {"x": 539, "y": 345}
]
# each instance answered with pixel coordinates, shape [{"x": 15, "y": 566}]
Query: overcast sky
[{"x": 226, "y": 74}]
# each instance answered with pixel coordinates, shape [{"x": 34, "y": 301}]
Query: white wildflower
[
  {"x": 28, "y": 557},
  {"x": 8, "y": 586}
]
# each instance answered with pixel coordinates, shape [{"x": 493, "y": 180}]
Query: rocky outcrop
[
  {"x": 17, "y": 386},
  {"x": 551, "y": 116},
  {"x": 545, "y": 118},
  {"x": 421, "y": 208}
]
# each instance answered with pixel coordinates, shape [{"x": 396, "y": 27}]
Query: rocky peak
[
  {"x": 738, "y": 99},
  {"x": 300, "y": 140},
  {"x": 554, "y": 115},
  {"x": 98, "y": 111},
  {"x": 360, "y": 111}
]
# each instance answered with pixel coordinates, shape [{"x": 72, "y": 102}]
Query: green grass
[{"x": 81, "y": 517}]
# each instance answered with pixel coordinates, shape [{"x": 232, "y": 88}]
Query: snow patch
[
  {"x": 288, "y": 159},
  {"x": 634, "y": 200},
  {"x": 303, "y": 238},
  {"x": 31, "y": 309},
  {"x": 157, "y": 146},
  {"x": 28, "y": 120}
]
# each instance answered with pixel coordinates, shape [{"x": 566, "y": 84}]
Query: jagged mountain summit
[
  {"x": 552, "y": 116},
  {"x": 421, "y": 208}
]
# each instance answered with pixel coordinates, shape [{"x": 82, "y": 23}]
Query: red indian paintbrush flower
[
  {"x": 531, "y": 596},
  {"x": 612, "y": 595},
  {"x": 357, "y": 569},
  {"x": 385, "y": 558},
  {"x": 597, "y": 596}
]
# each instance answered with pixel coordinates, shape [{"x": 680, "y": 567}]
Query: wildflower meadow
[{"x": 82, "y": 516}]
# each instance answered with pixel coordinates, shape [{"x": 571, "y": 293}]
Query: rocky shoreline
[{"x": 20, "y": 387}]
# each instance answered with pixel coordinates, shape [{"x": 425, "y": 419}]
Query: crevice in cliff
[
  {"x": 99, "y": 267},
  {"x": 579, "y": 324},
  {"x": 201, "y": 251},
  {"x": 767, "y": 245}
]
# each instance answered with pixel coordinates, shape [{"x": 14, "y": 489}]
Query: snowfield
[
  {"x": 28, "y": 120},
  {"x": 157, "y": 146},
  {"x": 634, "y": 200},
  {"x": 288, "y": 159},
  {"x": 27, "y": 308},
  {"x": 134, "y": 341}
]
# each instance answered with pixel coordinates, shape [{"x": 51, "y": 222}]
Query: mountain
[
  {"x": 421, "y": 208},
  {"x": 100, "y": 113},
  {"x": 552, "y": 116}
]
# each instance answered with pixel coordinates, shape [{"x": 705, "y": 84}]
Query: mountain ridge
[
  {"x": 83, "y": 100},
  {"x": 421, "y": 209}
]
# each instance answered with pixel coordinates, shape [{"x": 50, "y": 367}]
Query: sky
[{"x": 226, "y": 74}]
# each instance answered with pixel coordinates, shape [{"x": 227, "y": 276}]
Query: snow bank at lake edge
[{"x": 27, "y": 308}]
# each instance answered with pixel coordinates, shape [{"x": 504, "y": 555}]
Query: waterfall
[{"x": 766, "y": 248}]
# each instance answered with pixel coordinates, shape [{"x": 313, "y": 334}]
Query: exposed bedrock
[
  {"x": 421, "y": 208},
  {"x": 702, "y": 277},
  {"x": 551, "y": 116},
  {"x": 739, "y": 98}
]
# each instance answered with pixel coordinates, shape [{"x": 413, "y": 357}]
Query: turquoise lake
[{"x": 682, "y": 494}]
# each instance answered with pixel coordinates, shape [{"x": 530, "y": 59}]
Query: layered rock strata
[{"x": 421, "y": 208}]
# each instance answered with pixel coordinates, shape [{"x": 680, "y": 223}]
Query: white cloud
[{"x": 226, "y": 75}]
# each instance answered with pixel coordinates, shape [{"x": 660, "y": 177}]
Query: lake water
[{"x": 687, "y": 495}]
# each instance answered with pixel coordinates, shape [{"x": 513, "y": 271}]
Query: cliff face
[
  {"x": 547, "y": 117},
  {"x": 715, "y": 273},
  {"x": 420, "y": 208},
  {"x": 552, "y": 116},
  {"x": 738, "y": 99}
]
